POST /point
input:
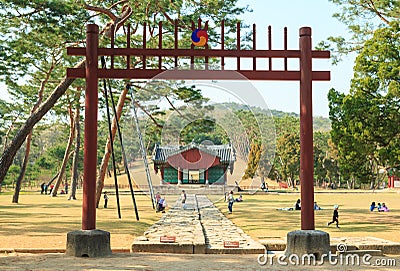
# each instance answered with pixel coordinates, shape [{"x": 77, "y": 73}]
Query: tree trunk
[
  {"x": 107, "y": 151},
  {"x": 23, "y": 169},
  {"x": 29, "y": 137},
  {"x": 9, "y": 154},
  {"x": 66, "y": 154},
  {"x": 52, "y": 179},
  {"x": 372, "y": 185},
  {"x": 75, "y": 173},
  {"x": 8, "y": 132},
  {"x": 289, "y": 181}
]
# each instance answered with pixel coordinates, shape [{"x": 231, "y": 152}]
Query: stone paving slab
[
  {"x": 219, "y": 229},
  {"x": 199, "y": 228}
]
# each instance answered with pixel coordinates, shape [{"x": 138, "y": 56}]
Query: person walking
[
  {"x": 231, "y": 200},
  {"x": 42, "y": 187},
  {"x": 335, "y": 217},
  {"x": 105, "y": 199},
  {"x": 183, "y": 199}
]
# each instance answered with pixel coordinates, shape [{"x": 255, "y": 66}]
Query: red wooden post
[
  {"x": 306, "y": 132},
  {"x": 90, "y": 140}
]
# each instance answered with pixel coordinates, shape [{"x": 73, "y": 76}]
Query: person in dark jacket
[
  {"x": 105, "y": 199},
  {"x": 297, "y": 206},
  {"x": 335, "y": 217}
]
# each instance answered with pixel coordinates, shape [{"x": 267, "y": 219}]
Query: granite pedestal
[
  {"x": 307, "y": 242},
  {"x": 88, "y": 243}
]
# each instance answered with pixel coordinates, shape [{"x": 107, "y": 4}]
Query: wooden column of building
[
  {"x": 179, "y": 176},
  {"x": 162, "y": 175}
]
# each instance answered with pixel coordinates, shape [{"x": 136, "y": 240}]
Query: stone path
[{"x": 199, "y": 228}]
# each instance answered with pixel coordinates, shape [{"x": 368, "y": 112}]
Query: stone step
[{"x": 198, "y": 227}]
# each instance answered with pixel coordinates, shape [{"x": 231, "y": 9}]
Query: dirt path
[{"x": 178, "y": 262}]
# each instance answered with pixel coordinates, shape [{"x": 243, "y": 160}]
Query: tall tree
[
  {"x": 75, "y": 160},
  {"x": 362, "y": 18},
  {"x": 107, "y": 151},
  {"x": 36, "y": 30},
  {"x": 363, "y": 122},
  {"x": 67, "y": 152},
  {"x": 46, "y": 22}
]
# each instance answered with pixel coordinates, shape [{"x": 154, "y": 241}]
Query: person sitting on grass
[
  {"x": 372, "y": 207},
  {"x": 383, "y": 208},
  {"x": 316, "y": 206},
  {"x": 161, "y": 205},
  {"x": 239, "y": 199},
  {"x": 297, "y": 206}
]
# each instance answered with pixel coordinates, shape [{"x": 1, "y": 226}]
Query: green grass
[
  {"x": 40, "y": 221},
  {"x": 257, "y": 214}
]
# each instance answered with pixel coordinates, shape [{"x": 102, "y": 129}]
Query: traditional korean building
[
  {"x": 393, "y": 177},
  {"x": 194, "y": 163}
]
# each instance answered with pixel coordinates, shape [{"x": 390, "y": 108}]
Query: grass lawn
[
  {"x": 258, "y": 217},
  {"x": 40, "y": 221}
]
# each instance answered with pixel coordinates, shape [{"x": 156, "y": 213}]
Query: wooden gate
[{"x": 305, "y": 75}]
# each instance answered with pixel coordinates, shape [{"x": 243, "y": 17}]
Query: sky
[{"x": 294, "y": 14}]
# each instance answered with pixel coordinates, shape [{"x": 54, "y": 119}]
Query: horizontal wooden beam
[
  {"x": 199, "y": 74},
  {"x": 197, "y": 52}
]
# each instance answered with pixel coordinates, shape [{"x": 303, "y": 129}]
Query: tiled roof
[{"x": 226, "y": 153}]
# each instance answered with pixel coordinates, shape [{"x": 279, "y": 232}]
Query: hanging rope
[
  {"x": 123, "y": 151},
  {"x": 103, "y": 64},
  {"x": 146, "y": 165}
]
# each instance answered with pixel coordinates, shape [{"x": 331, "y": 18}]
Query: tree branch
[
  {"x": 148, "y": 114},
  {"x": 173, "y": 107},
  {"x": 105, "y": 11},
  {"x": 379, "y": 14}
]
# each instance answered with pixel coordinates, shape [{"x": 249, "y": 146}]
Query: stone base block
[
  {"x": 304, "y": 242},
  {"x": 88, "y": 243}
]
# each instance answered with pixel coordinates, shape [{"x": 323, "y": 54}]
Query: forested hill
[{"x": 320, "y": 123}]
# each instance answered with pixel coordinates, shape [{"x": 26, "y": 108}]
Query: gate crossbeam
[{"x": 198, "y": 74}]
